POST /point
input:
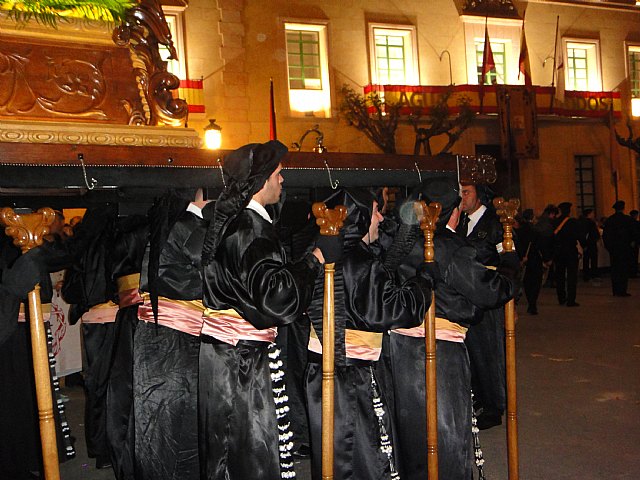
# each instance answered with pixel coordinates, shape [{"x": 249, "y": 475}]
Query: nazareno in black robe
[
  {"x": 20, "y": 445},
  {"x": 464, "y": 290},
  {"x": 127, "y": 254},
  {"x": 368, "y": 298},
  {"x": 87, "y": 284},
  {"x": 485, "y": 341},
  {"x": 165, "y": 358},
  {"x": 238, "y": 421}
]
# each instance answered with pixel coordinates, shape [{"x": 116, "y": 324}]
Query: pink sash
[
  {"x": 101, "y": 313},
  {"x": 445, "y": 330},
  {"x": 128, "y": 293},
  {"x": 182, "y": 315},
  {"x": 229, "y": 327}
]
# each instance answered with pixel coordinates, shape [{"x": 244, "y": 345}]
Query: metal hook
[
  {"x": 94, "y": 182},
  {"x": 418, "y": 170},
  {"x": 224, "y": 183},
  {"x": 332, "y": 184}
]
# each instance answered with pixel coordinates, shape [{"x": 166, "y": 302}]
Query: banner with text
[{"x": 418, "y": 100}]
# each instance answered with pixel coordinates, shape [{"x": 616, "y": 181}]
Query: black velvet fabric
[
  {"x": 87, "y": 281},
  {"x": 250, "y": 275},
  {"x": 485, "y": 342},
  {"x": 119, "y": 403},
  {"x": 165, "y": 371},
  {"x": 238, "y": 428},
  {"x": 98, "y": 340},
  {"x": 357, "y": 454},
  {"x": 179, "y": 269},
  {"x": 464, "y": 290},
  {"x": 131, "y": 239},
  {"x": 369, "y": 298},
  {"x": 165, "y": 365},
  {"x": 455, "y": 447}
]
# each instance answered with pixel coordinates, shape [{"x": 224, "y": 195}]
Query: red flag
[
  {"x": 523, "y": 59},
  {"x": 488, "y": 64},
  {"x": 273, "y": 135}
]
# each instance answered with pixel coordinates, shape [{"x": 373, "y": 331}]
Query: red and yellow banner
[
  {"x": 191, "y": 91},
  {"x": 418, "y": 99}
]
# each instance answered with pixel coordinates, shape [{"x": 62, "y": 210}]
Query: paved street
[{"x": 578, "y": 393}]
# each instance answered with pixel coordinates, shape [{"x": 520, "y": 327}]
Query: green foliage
[
  {"x": 379, "y": 125},
  {"x": 50, "y": 12}
]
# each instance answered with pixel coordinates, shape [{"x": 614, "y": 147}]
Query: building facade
[{"x": 310, "y": 49}]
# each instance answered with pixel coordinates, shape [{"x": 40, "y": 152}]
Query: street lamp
[{"x": 213, "y": 135}]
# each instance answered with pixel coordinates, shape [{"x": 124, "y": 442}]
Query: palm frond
[{"x": 49, "y": 12}]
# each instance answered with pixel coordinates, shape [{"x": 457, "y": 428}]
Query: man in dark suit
[
  {"x": 619, "y": 232},
  {"x": 568, "y": 244},
  {"x": 485, "y": 341}
]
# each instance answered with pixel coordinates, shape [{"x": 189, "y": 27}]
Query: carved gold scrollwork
[
  {"x": 143, "y": 29},
  {"x": 330, "y": 221},
  {"x": 428, "y": 216},
  {"x": 27, "y": 229},
  {"x": 507, "y": 210}
]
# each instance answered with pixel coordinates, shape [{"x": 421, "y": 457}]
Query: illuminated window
[
  {"x": 394, "y": 56},
  {"x": 585, "y": 182},
  {"x": 504, "y": 34},
  {"x": 308, "y": 71},
  {"x": 582, "y": 65},
  {"x": 499, "y": 57},
  {"x": 175, "y": 20},
  {"x": 633, "y": 55},
  {"x": 634, "y": 70}
]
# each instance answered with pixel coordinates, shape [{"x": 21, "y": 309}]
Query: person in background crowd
[
  {"x": 545, "y": 226},
  {"x": 591, "y": 235},
  {"x": 568, "y": 242},
  {"x": 636, "y": 248},
  {"x": 529, "y": 247},
  {"x": 618, "y": 234}
]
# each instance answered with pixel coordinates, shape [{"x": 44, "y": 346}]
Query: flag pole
[
  {"x": 485, "y": 54},
  {"x": 555, "y": 56},
  {"x": 273, "y": 134}
]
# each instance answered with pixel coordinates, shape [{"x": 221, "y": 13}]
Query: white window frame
[
  {"x": 311, "y": 102},
  {"x": 175, "y": 20},
  {"x": 501, "y": 30},
  {"x": 408, "y": 33},
  {"x": 635, "y": 100},
  {"x": 592, "y": 46}
]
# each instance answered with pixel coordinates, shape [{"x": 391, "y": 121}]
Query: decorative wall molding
[{"x": 92, "y": 134}]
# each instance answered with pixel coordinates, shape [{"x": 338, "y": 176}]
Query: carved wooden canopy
[{"x": 77, "y": 73}]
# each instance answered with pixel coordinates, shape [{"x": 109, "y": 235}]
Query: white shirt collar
[
  {"x": 260, "y": 210},
  {"x": 474, "y": 218},
  {"x": 196, "y": 210}
]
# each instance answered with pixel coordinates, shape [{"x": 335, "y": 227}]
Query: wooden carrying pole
[
  {"x": 330, "y": 222},
  {"x": 27, "y": 231},
  {"x": 428, "y": 215},
  {"x": 507, "y": 212}
]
